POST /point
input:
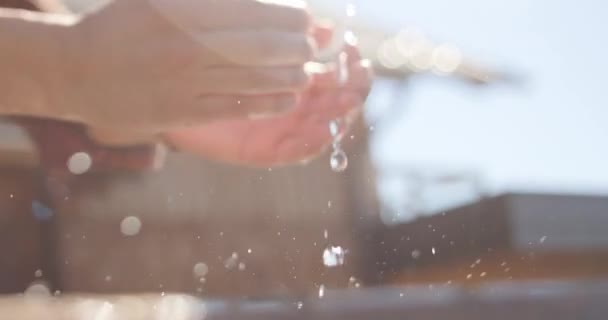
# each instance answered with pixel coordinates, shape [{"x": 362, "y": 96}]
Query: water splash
[{"x": 333, "y": 256}]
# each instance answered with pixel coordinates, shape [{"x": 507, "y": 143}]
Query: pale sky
[{"x": 549, "y": 135}]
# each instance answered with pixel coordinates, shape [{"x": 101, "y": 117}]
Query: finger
[
  {"x": 259, "y": 48},
  {"x": 359, "y": 77},
  {"x": 351, "y": 49},
  {"x": 323, "y": 106},
  {"x": 249, "y": 80},
  {"x": 216, "y": 107},
  {"x": 236, "y": 14},
  {"x": 310, "y": 140},
  {"x": 322, "y": 35}
]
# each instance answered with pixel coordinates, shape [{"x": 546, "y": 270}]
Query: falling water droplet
[
  {"x": 416, "y": 254},
  {"x": 79, "y": 163},
  {"x": 37, "y": 289},
  {"x": 130, "y": 226},
  {"x": 333, "y": 256},
  {"x": 351, "y": 10},
  {"x": 38, "y": 273},
  {"x": 322, "y": 291},
  {"x": 231, "y": 262},
  {"x": 200, "y": 269},
  {"x": 334, "y": 128},
  {"x": 433, "y": 250},
  {"x": 338, "y": 161},
  {"x": 300, "y": 304}
]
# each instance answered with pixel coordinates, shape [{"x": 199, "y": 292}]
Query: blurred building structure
[{"x": 262, "y": 232}]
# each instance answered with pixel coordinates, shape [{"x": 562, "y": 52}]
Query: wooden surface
[{"x": 497, "y": 301}]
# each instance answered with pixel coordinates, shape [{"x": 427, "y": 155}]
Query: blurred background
[{"x": 480, "y": 163}]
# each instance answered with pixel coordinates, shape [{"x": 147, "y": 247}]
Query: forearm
[{"x": 33, "y": 65}]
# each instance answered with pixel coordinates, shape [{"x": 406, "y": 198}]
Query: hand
[
  {"x": 151, "y": 65},
  {"x": 295, "y": 136}
]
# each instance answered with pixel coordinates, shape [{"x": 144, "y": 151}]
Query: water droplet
[
  {"x": 249, "y": 250},
  {"x": 351, "y": 10},
  {"x": 299, "y": 305},
  {"x": 79, "y": 163},
  {"x": 469, "y": 276},
  {"x": 329, "y": 204},
  {"x": 231, "y": 261},
  {"x": 38, "y": 273},
  {"x": 242, "y": 266},
  {"x": 401, "y": 295},
  {"x": 325, "y": 234},
  {"x": 350, "y": 38},
  {"x": 130, "y": 226},
  {"x": 37, "y": 289},
  {"x": 483, "y": 274},
  {"x": 416, "y": 254},
  {"x": 200, "y": 269},
  {"x": 433, "y": 250},
  {"x": 333, "y": 256},
  {"x": 338, "y": 161},
  {"x": 334, "y": 128},
  {"x": 543, "y": 239},
  {"x": 321, "y": 291},
  {"x": 57, "y": 292},
  {"x": 108, "y": 278}
]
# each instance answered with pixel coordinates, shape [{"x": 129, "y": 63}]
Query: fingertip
[
  {"x": 353, "y": 53},
  {"x": 322, "y": 33}
]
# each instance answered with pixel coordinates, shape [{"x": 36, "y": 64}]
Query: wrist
[
  {"x": 117, "y": 138},
  {"x": 34, "y": 66}
]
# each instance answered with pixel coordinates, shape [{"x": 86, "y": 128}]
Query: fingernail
[{"x": 315, "y": 68}]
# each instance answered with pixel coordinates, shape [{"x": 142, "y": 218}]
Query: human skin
[
  {"x": 222, "y": 131},
  {"x": 150, "y": 65}
]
